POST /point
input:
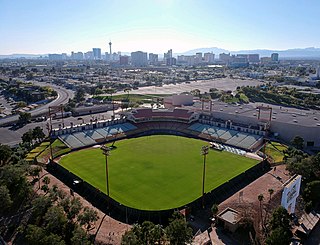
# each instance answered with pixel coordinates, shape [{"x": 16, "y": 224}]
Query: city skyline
[{"x": 42, "y": 27}]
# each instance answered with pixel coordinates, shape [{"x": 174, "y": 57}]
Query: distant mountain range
[
  {"x": 307, "y": 53},
  {"x": 15, "y": 56},
  {"x": 289, "y": 53}
]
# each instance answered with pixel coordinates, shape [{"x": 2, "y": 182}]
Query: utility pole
[
  {"x": 204, "y": 153},
  {"x": 106, "y": 152}
]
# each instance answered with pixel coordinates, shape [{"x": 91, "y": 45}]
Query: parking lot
[
  {"x": 13, "y": 137},
  {"x": 6, "y": 105},
  {"x": 224, "y": 84}
]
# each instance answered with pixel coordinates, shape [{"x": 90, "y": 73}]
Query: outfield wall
[{"x": 131, "y": 215}]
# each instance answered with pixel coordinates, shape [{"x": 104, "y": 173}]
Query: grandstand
[
  {"x": 194, "y": 124},
  {"x": 139, "y": 122},
  {"x": 75, "y": 139},
  {"x": 230, "y": 137}
]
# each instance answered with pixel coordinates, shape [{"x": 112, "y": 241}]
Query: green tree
[
  {"x": 260, "y": 199},
  {"x": 24, "y": 118},
  {"x": 40, "y": 205},
  {"x": 215, "y": 209},
  {"x": 14, "y": 178},
  {"x": 111, "y": 91},
  {"x": 35, "y": 173},
  {"x": 46, "y": 180},
  {"x": 79, "y": 237},
  {"x": 315, "y": 165},
  {"x": 178, "y": 231},
  {"x": 87, "y": 217},
  {"x": 98, "y": 91},
  {"x": 195, "y": 92},
  {"x": 279, "y": 236},
  {"x": 280, "y": 227},
  {"x": 5, "y": 198},
  {"x": 157, "y": 234},
  {"x": 271, "y": 191},
  {"x": 45, "y": 189},
  {"x": 71, "y": 207},
  {"x": 79, "y": 95},
  {"x": 280, "y": 218},
  {"x": 21, "y": 104},
  {"x": 35, "y": 234},
  {"x": 38, "y": 134},
  {"x": 29, "y": 76},
  {"x": 298, "y": 142},
  {"x": 53, "y": 239},
  {"x": 147, "y": 233},
  {"x": 38, "y": 236},
  {"x": 129, "y": 238},
  {"x": 55, "y": 220},
  {"x": 27, "y": 138},
  {"x": 5, "y": 154},
  {"x": 312, "y": 192}
]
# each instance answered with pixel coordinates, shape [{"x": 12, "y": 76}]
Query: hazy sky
[{"x": 56, "y": 26}]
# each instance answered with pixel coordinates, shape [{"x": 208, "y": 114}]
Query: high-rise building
[
  {"x": 187, "y": 60},
  {"x": 199, "y": 55},
  {"x": 107, "y": 56},
  {"x": 318, "y": 72},
  {"x": 55, "y": 56},
  {"x": 88, "y": 55},
  {"x": 124, "y": 60},
  {"x": 275, "y": 57},
  {"x": 96, "y": 53},
  {"x": 153, "y": 59},
  {"x": 265, "y": 60},
  {"x": 139, "y": 59},
  {"x": 225, "y": 57},
  {"x": 209, "y": 58},
  {"x": 76, "y": 56},
  {"x": 167, "y": 58},
  {"x": 253, "y": 58},
  {"x": 116, "y": 56}
]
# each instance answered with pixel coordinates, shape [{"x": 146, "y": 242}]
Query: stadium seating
[
  {"x": 227, "y": 136},
  {"x": 93, "y": 136},
  {"x": 71, "y": 141},
  {"x": 84, "y": 138}
]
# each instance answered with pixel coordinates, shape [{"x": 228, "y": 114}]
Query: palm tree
[
  {"x": 271, "y": 191},
  {"x": 127, "y": 90},
  {"x": 214, "y": 210},
  {"x": 260, "y": 198},
  {"x": 111, "y": 91}
]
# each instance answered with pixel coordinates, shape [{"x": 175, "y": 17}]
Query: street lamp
[
  {"x": 106, "y": 152},
  {"x": 204, "y": 153}
]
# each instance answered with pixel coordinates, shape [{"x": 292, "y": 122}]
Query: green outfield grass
[
  {"x": 275, "y": 151},
  {"x": 156, "y": 172}
]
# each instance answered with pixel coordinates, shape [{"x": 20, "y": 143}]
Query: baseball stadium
[{"x": 150, "y": 162}]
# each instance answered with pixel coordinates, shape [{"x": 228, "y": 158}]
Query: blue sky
[{"x": 47, "y": 26}]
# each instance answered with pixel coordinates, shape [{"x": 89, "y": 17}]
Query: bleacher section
[
  {"x": 93, "y": 136},
  {"x": 84, "y": 138},
  {"x": 227, "y": 136},
  {"x": 71, "y": 141}
]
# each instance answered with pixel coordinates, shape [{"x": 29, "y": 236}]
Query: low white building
[{"x": 178, "y": 100}]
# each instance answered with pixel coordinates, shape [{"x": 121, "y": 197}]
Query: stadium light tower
[
  {"x": 106, "y": 152},
  {"x": 204, "y": 153}
]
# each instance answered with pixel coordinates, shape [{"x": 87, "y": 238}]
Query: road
[
  {"x": 63, "y": 98},
  {"x": 13, "y": 137}
]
